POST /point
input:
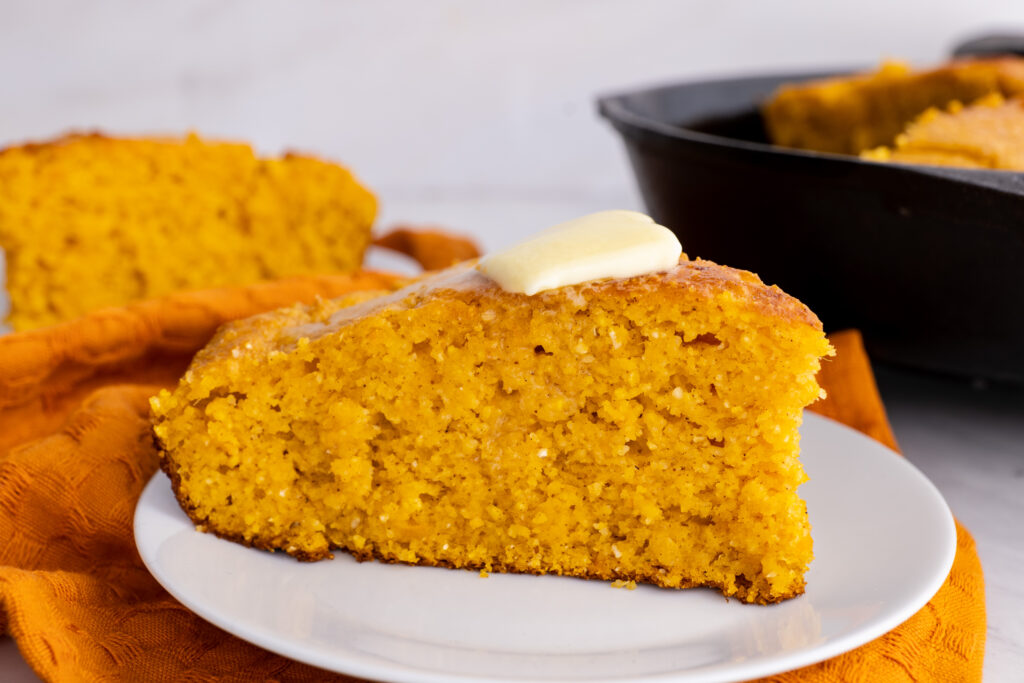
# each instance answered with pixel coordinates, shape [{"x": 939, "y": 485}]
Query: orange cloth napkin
[{"x": 76, "y": 451}]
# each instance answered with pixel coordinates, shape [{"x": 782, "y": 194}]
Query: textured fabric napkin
[{"x": 76, "y": 451}]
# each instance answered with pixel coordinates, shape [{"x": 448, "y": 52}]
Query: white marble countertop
[{"x": 479, "y": 117}]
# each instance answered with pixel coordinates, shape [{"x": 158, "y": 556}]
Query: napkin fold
[{"x": 76, "y": 451}]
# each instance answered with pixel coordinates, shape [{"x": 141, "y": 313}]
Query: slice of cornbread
[
  {"x": 639, "y": 429},
  {"x": 851, "y": 114},
  {"x": 89, "y": 221},
  {"x": 988, "y": 133}
]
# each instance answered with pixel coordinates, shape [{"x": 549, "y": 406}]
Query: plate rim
[{"x": 374, "y": 667}]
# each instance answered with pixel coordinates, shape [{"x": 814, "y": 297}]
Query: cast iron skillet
[{"x": 926, "y": 261}]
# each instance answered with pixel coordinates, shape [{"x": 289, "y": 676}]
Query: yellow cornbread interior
[
  {"x": 89, "y": 221},
  {"x": 988, "y": 133},
  {"x": 584, "y": 431},
  {"x": 852, "y": 114}
]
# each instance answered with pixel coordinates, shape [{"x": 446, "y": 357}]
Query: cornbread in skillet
[
  {"x": 849, "y": 115},
  {"x": 986, "y": 134},
  {"x": 639, "y": 429},
  {"x": 89, "y": 221}
]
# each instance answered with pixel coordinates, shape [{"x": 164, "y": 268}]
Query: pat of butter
[{"x": 600, "y": 245}]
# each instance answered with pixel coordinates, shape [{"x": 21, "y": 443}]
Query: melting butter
[{"x": 599, "y": 245}]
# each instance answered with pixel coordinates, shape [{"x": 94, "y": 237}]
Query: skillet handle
[{"x": 991, "y": 45}]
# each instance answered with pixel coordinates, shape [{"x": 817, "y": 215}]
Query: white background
[
  {"x": 458, "y": 111},
  {"x": 480, "y": 116}
]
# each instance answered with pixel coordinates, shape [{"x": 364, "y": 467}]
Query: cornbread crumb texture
[
  {"x": 988, "y": 133},
  {"x": 89, "y": 221},
  {"x": 638, "y": 430},
  {"x": 849, "y": 115}
]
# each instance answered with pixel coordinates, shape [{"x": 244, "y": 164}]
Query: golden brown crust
[
  {"x": 1007, "y": 72},
  {"x": 100, "y": 136},
  {"x": 690, "y": 281},
  {"x": 697, "y": 280},
  {"x": 705, "y": 279},
  {"x": 694, "y": 281}
]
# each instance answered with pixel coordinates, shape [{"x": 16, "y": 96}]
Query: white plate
[{"x": 884, "y": 541}]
